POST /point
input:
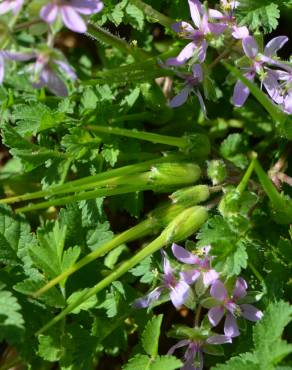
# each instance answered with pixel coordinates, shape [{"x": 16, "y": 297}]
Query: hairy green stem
[
  {"x": 105, "y": 36},
  {"x": 244, "y": 182},
  {"x": 157, "y": 244},
  {"x": 141, "y": 135},
  {"x": 178, "y": 229},
  {"x": 96, "y": 180},
  {"x": 267, "y": 184},
  {"x": 152, "y": 13}
]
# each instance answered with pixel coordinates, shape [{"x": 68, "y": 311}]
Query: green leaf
[
  {"x": 144, "y": 270},
  {"x": 143, "y": 362},
  {"x": 15, "y": 240},
  {"x": 269, "y": 347},
  {"x": 139, "y": 362},
  {"x": 260, "y": 14},
  {"x": 166, "y": 363},
  {"x": 150, "y": 336},
  {"x": 48, "y": 255},
  {"x": 11, "y": 320},
  {"x": 245, "y": 361},
  {"x": 36, "y": 117},
  {"x": 216, "y": 229},
  {"x": 84, "y": 306},
  {"x": 136, "y": 16},
  {"x": 31, "y": 155},
  {"x": 110, "y": 154},
  {"x": 99, "y": 235},
  {"x": 50, "y": 347},
  {"x": 53, "y": 297}
]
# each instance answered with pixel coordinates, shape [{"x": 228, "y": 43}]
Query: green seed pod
[
  {"x": 166, "y": 213},
  {"x": 185, "y": 224},
  {"x": 166, "y": 174},
  {"x": 191, "y": 195},
  {"x": 216, "y": 171}
]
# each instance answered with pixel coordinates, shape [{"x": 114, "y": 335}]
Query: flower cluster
[
  {"x": 45, "y": 71},
  {"x": 208, "y": 24},
  {"x": 178, "y": 285}
]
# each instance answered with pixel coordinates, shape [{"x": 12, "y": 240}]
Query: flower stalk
[
  {"x": 179, "y": 142},
  {"x": 184, "y": 225},
  {"x": 100, "y": 34},
  {"x": 161, "y": 177}
]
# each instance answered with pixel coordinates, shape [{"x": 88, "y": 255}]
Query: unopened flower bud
[
  {"x": 185, "y": 224},
  {"x": 191, "y": 195},
  {"x": 166, "y": 174}
]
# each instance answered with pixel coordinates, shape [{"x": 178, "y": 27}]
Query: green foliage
[
  {"x": 269, "y": 347},
  {"x": 150, "y": 339},
  {"x": 228, "y": 244},
  {"x": 11, "y": 319},
  {"x": 262, "y": 14}
]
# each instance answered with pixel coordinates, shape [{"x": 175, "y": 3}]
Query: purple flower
[
  {"x": 258, "y": 62},
  {"x": 70, "y": 11},
  {"x": 230, "y": 306},
  {"x": 193, "y": 357},
  {"x": 191, "y": 85},
  {"x": 44, "y": 70},
  {"x": 281, "y": 87},
  {"x": 179, "y": 290},
  {"x": 12, "y": 56},
  {"x": 203, "y": 266},
  {"x": 227, "y": 18},
  {"x": 45, "y": 74},
  {"x": 198, "y": 36},
  {"x": 10, "y": 5}
]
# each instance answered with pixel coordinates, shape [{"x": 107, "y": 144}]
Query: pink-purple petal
[
  {"x": 273, "y": 87},
  {"x": 230, "y": 326},
  {"x": 179, "y": 293},
  {"x": 250, "y": 47},
  {"x": 198, "y": 72},
  {"x": 66, "y": 68},
  {"x": 180, "y": 98},
  {"x": 195, "y": 10},
  {"x": 215, "y": 315},
  {"x": 148, "y": 299},
  {"x": 181, "y": 343},
  {"x": 72, "y": 19},
  {"x": 2, "y": 65},
  {"x": 202, "y": 52},
  {"x": 190, "y": 276},
  {"x": 49, "y": 12},
  {"x": 240, "y": 288},
  {"x": 184, "y": 28},
  {"x": 250, "y": 312},
  {"x": 186, "y": 53},
  {"x": 213, "y": 13},
  {"x": 274, "y": 45},
  {"x": 240, "y": 32},
  {"x": 241, "y": 91},
  {"x": 218, "y": 291},
  {"x": 87, "y": 7},
  {"x": 219, "y": 339},
  {"x": 217, "y": 28},
  {"x": 287, "y": 105},
  {"x": 209, "y": 277},
  {"x": 54, "y": 83},
  {"x": 183, "y": 255}
]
